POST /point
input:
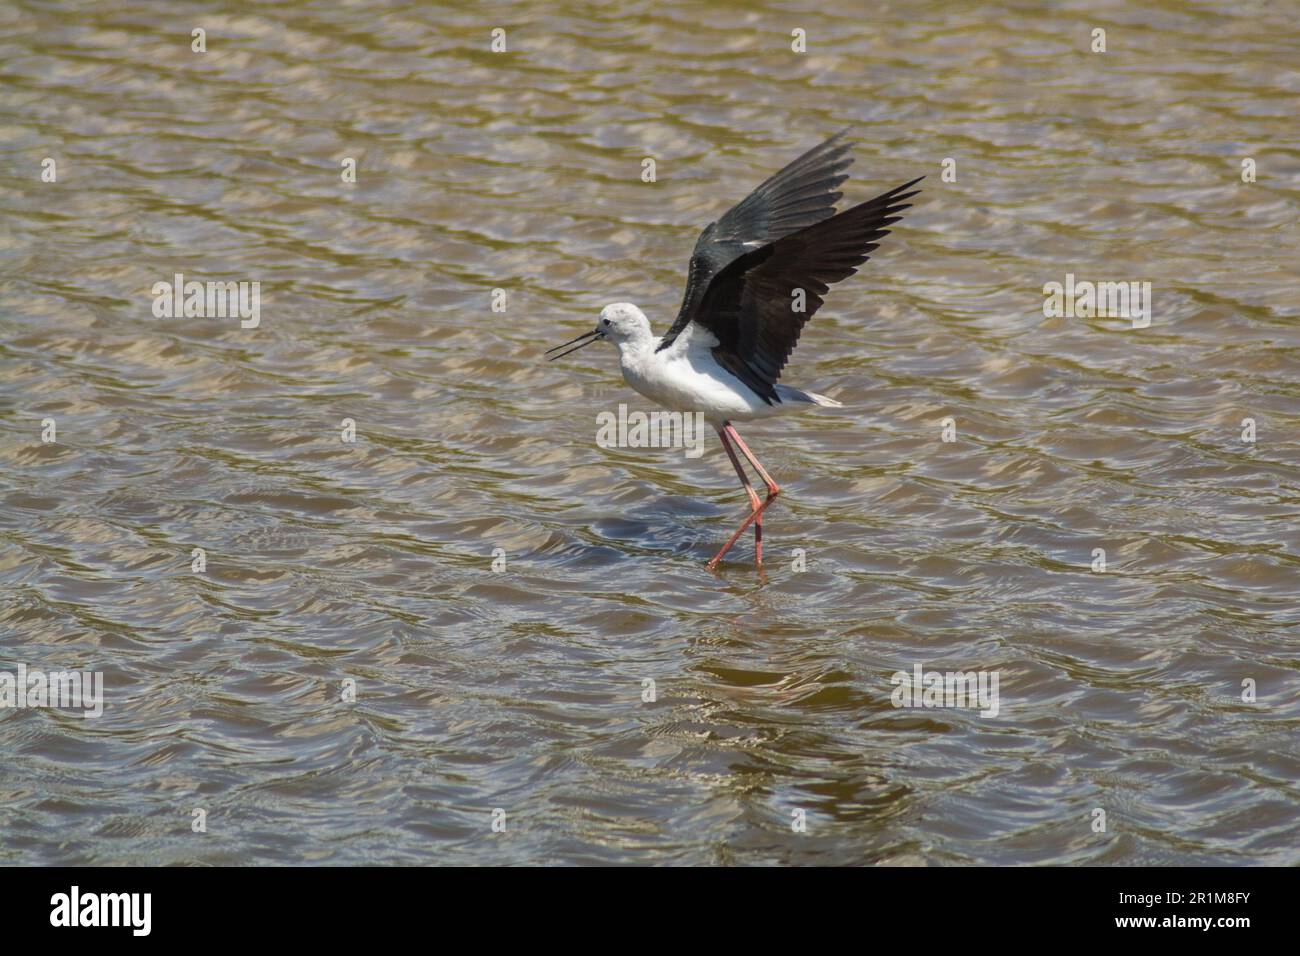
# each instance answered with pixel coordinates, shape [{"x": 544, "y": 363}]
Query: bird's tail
[
  {"x": 823, "y": 400},
  {"x": 788, "y": 393}
]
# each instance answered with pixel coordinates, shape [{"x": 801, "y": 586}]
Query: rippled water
[{"x": 521, "y": 689}]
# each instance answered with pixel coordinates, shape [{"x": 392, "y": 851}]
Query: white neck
[{"x": 641, "y": 342}]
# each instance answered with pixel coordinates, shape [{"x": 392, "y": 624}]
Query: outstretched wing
[
  {"x": 749, "y": 305},
  {"x": 801, "y": 194}
]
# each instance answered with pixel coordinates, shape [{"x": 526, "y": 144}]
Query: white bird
[{"x": 756, "y": 276}]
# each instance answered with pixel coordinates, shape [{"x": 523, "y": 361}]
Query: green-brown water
[{"x": 522, "y": 689}]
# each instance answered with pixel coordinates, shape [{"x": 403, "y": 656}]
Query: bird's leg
[
  {"x": 753, "y": 504},
  {"x": 756, "y": 516},
  {"x": 773, "y": 489}
]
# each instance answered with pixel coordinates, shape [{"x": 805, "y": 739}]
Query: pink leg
[
  {"x": 756, "y": 516},
  {"x": 753, "y": 504}
]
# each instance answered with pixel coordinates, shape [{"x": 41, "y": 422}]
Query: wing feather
[
  {"x": 749, "y": 304},
  {"x": 801, "y": 194}
]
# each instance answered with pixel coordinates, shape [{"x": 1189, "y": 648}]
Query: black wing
[
  {"x": 750, "y": 304},
  {"x": 803, "y": 193}
]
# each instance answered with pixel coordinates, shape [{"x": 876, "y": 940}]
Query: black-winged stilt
[{"x": 779, "y": 249}]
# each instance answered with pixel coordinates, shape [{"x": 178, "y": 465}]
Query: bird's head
[{"x": 620, "y": 322}]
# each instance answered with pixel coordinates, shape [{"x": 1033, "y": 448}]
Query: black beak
[{"x": 590, "y": 337}]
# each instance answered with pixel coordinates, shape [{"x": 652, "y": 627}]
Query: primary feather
[{"x": 782, "y": 237}]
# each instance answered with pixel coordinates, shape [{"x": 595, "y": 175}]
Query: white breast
[{"x": 685, "y": 377}]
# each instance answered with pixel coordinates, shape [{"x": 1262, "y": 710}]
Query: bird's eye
[{"x": 605, "y": 322}]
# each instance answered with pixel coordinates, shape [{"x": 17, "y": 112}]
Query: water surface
[{"x": 521, "y": 689}]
